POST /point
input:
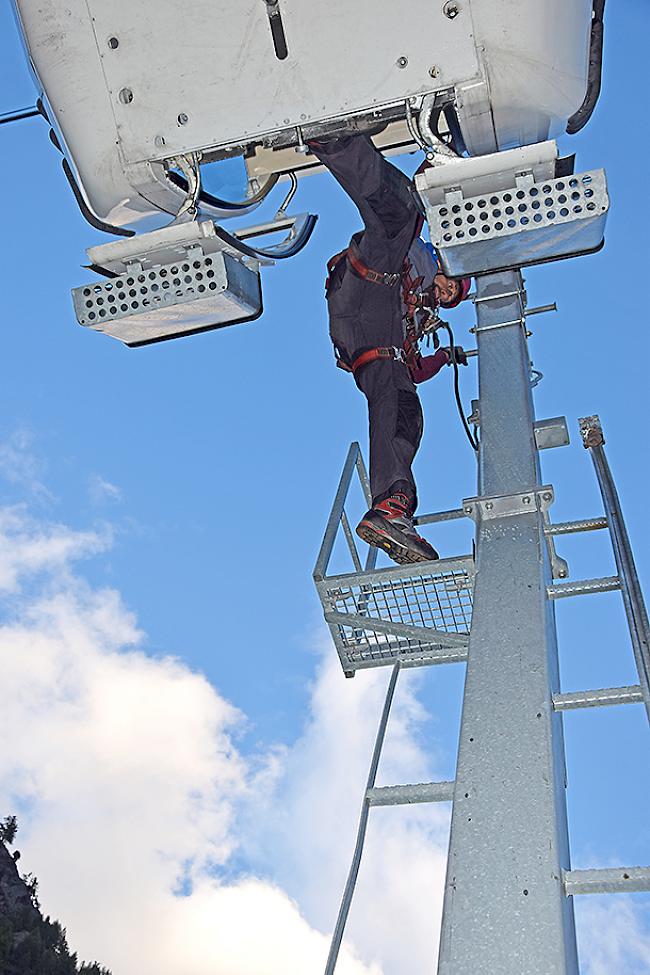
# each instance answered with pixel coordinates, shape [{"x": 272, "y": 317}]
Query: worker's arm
[
  {"x": 384, "y": 196},
  {"x": 430, "y": 365}
]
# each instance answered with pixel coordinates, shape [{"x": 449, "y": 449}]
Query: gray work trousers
[{"x": 365, "y": 315}]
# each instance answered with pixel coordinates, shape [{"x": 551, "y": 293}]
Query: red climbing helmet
[{"x": 464, "y": 286}]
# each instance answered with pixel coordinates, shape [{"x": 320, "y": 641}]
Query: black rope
[{"x": 459, "y": 403}]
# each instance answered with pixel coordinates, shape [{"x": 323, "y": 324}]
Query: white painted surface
[{"x": 518, "y": 68}]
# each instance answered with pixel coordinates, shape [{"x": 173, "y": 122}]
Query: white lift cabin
[{"x": 141, "y": 96}]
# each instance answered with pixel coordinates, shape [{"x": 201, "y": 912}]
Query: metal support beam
[
  {"x": 631, "y": 694},
  {"x": 427, "y": 634},
  {"x": 572, "y": 527},
  {"x": 619, "y": 880},
  {"x": 401, "y": 795},
  {"x": 504, "y": 907},
  {"x": 583, "y": 587}
]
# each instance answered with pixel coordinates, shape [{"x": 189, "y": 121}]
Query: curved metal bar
[
  {"x": 441, "y": 152},
  {"x": 580, "y": 118},
  {"x": 346, "y": 901},
  {"x": 282, "y": 209},
  {"x": 207, "y": 199},
  {"x": 292, "y": 245},
  {"x": 87, "y": 213}
]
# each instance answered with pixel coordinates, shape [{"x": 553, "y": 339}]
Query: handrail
[
  {"x": 346, "y": 900},
  {"x": 635, "y": 609}
]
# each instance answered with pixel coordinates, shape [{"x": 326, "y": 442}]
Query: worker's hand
[{"x": 458, "y": 355}]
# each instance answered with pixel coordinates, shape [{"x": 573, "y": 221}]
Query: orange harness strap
[{"x": 386, "y": 352}]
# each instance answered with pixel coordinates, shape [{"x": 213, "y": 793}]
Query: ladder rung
[
  {"x": 619, "y": 880},
  {"x": 400, "y": 795},
  {"x": 584, "y": 587},
  {"x": 630, "y": 694},
  {"x": 569, "y": 527}
]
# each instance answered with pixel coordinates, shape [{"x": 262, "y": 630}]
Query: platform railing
[{"x": 415, "y": 614}]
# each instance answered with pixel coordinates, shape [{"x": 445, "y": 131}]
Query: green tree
[{"x": 8, "y": 829}]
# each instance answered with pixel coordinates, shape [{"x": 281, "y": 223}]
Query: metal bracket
[
  {"x": 507, "y": 505},
  {"x": 553, "y": 432}
]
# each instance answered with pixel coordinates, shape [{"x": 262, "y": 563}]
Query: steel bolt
[
  {"x": 113, "y": 43},
  {"x": 126, "y": 96},
  {"x": 525, "y": 500},
  {"x": 489, "y": 505},
  {"x": 159, "y": 141},
  {"x": 547, "y": 495},
  {"x": 434, "y": 71},
  {"x": 468, "y": 509},
  {"x": 451, "y": 9},
  {"x": 402, "y": 62},
  {"x": 183, "y": 119}
]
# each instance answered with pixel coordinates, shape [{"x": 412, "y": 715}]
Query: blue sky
[{"x": 195, "y": 478}]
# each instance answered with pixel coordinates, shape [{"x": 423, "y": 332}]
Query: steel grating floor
[{"x": 399, "y": 604}]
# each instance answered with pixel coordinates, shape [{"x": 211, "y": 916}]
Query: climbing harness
[{"x": 414, "y": 331}]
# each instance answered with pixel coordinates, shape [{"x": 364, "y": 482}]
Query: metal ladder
[
  {"x": 509, "y": 866},
  {"x": 621, "y": 879}
]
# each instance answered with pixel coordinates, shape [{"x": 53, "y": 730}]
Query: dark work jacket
[{"x": 364, "y": 315}]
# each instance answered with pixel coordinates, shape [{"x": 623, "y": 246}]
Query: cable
[
  {"x": 459, "y": 403},
  {"x": 19, "y": 114}
]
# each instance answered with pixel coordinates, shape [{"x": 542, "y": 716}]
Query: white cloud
[
  {"x": 162, "y": 848},
  {"x": 306, "y": 829},
  {"x": 28, "y": 547},
  {"x": 127, "y": 784},
  {"x": 614, "y": 936},
  {"x": 103, "y": 490},
  {"x": 20, "y": 466}
]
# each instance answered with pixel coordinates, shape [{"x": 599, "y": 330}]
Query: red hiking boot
[{"x": 389, "y": 526}]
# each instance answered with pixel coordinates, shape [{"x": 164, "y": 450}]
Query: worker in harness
[{"x": 383, "y": 293}]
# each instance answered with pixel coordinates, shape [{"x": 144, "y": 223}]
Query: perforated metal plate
[
  {"x": 530, "y": 224},
  {"x": 171, "y": 300},
  {"x": 396, "y": 601}
]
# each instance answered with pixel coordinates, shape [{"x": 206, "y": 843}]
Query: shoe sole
[{"x": 398, "y": 552}]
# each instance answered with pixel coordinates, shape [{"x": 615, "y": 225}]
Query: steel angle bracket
[
  {"x": 506, "y": 505},
  {"x": 483, "y": 509}
]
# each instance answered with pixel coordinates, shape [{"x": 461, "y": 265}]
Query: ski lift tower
[{"x": 140, "y": 97}]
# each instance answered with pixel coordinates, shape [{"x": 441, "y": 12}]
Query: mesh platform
[
  {"x": 417, "y": 614},
  {"x": 406, "y": 599}
]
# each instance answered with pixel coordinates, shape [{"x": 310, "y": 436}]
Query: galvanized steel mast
[{"x": 505, "y": 909}]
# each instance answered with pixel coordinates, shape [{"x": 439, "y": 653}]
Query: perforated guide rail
[
  {"x": 172, "y": 299},
  {"x": 532, "y": 223},
  {"x": 417, "y": 614}
]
